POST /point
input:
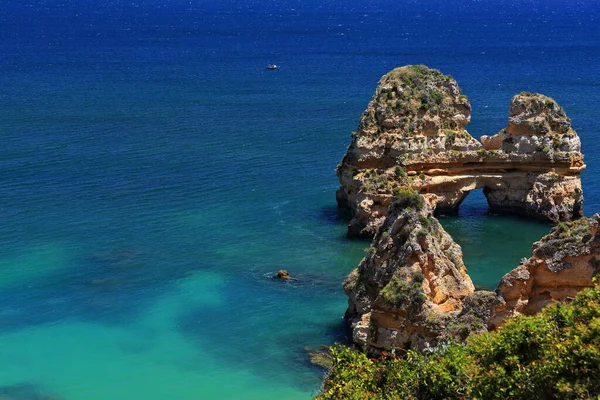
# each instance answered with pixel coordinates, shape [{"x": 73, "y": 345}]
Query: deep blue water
[{"x": 155, "y": 175}]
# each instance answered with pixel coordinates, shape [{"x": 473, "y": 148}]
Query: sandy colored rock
[
  {"x": 412, "y": 135},
  {"x": 285, "y": 275},
  {"x": 412, "y": 277},
  {"x": 563, "y": 263}
]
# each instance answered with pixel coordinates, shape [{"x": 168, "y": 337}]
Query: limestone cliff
[
  {"x": 412, "y": 277},
  {"x": 563, "y": 262},
  {"x": 412, "y": 134}
]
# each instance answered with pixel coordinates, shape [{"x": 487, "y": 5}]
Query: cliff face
[
  {"x": 412, "y": 277},
  {"x": 412, "y": 134},
  {"x": 563, "y": 263}
]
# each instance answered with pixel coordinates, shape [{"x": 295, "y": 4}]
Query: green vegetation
[
  {"x": 405, "y": 291},
  {"x": 556, "y": 141},
  {"x": 375, "y": 182},
  {"x": 400, "y": 172},
  {"x": 409, "y": 92},
  {"x": 380, "y": 181},
  {"x": 553, "y": 355},
  {"x": 543, "y": 148},
  {"x": 573, "y": 233},
  {"x": 370, "y": 250},
  {"x": 408, "y": 198},
  {"x": 426, "y": 222},
  {"x": 352, "y": 281},
  {"x": 473, "y": 317}
]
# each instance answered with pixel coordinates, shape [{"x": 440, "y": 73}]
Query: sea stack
[
  {"x": 410, "y": 281},
  {"x": 413, "y": 134}
]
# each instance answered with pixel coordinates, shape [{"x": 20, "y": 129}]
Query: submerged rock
[
  {"x": 24, "y": 391},
  {"x": 412, "y": 134},
  {"x": 320, "y": 356}
]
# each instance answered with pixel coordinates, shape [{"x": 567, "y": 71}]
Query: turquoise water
[
  {"x": 492, "y": 244},
  {"x": 154, "y": 177}
]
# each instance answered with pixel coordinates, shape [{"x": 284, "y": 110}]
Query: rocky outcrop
[
  {"x": 413, "y": 134},
  {"x": 411, "y": 279},
  {"x": 563, "y": 263},
  {"x": 412, "y": 288},
  {"x": 411, "y": 156}
]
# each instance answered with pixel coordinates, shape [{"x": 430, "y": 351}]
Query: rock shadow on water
[
  {"x": 25, "y": 391},
  {"x": 334, "y": 215}
]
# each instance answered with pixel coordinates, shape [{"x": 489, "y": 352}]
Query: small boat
[{"x": 273, "y": 66}]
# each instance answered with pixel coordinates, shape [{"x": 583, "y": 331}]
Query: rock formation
[
  {"x": 285, "y": 275},
  {"x": 412, "y": 134},
  {"x": 412, "y": 288},
  {"x": 412, "y": 156},
  {"x": 411, "y": 278},
  {"x": 563, "y": 262}
]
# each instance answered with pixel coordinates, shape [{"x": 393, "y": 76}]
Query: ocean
[{"x": 154, "y": 176}]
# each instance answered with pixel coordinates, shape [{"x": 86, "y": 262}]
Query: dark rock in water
[
  {"x": 283, "y": 274},
  {"x": 24, "y": 391}
]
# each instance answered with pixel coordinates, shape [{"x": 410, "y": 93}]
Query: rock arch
[{"x": 412, "y": 135}]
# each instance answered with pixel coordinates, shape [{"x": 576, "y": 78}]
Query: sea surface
[{"x": 154, "y": 176}]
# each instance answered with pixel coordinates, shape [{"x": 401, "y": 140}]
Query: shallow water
[{"x": 155, "y": 176}]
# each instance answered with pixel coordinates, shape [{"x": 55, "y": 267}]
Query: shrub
[
  {"x": 408, "y": 198},
  {"x": 553, "y": 355},
  {"x": 400, "y": 172},
  {"x": 370, "y": 250},
  {"x": 375, "y": 182},
  {"x": 406, "y": 292}
]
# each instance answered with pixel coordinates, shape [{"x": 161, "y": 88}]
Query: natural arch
[{"x": 413, "y": 135}]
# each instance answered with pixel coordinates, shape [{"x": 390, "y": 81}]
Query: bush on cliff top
[
  {"x": 405, "y": 197},
  {"x": 553, "y": 355}
]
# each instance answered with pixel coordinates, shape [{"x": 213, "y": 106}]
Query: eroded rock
[
  {"x": 285, "y": 275},
  {"x": 410, "y": 280},
  {"x": 410, "y": 157},
  {"x": 412, "y": 134},
  {"x": 563, "y": 263}
]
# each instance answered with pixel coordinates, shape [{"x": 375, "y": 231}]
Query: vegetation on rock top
[{"x": 415, "y": 99}]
